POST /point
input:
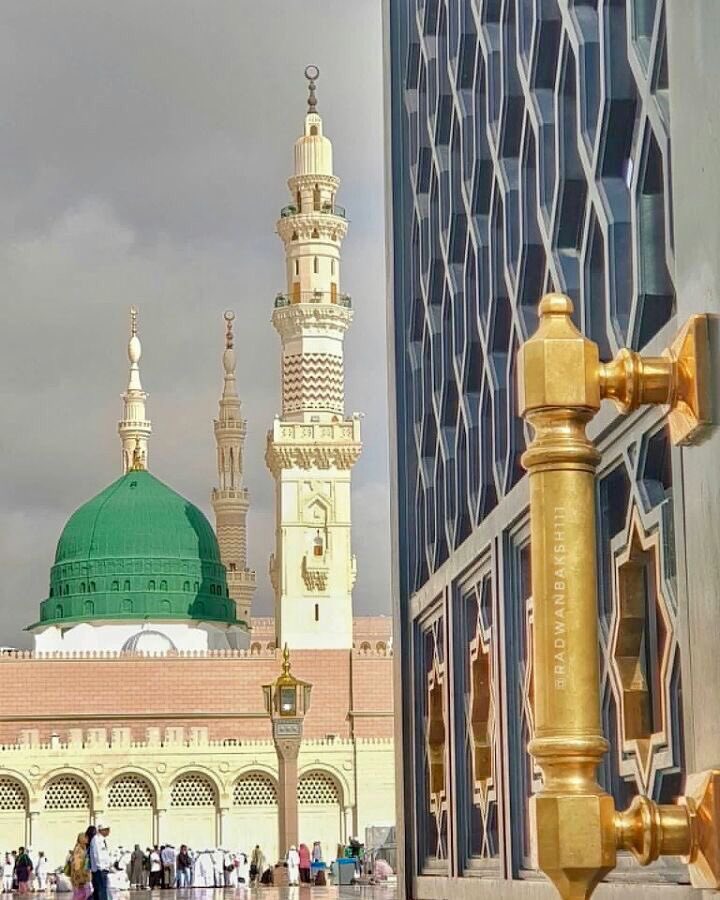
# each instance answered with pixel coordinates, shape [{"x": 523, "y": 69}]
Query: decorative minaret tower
[
  {"x": 134, "y": 428},
  {"x": 312, "y": 448},
  {"x": 231, "y": 500}
]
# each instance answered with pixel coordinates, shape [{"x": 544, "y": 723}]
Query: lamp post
[{"x": 287, "y": 700}]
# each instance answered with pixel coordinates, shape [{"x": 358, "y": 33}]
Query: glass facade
[{"x": 529, "y": 145}]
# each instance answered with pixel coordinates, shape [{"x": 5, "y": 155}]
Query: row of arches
[
  {"x": 152, "y": 585},
  {"x": 193, "y": 814}
]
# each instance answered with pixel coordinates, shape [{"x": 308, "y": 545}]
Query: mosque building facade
[{"x": 142, "y": 702}]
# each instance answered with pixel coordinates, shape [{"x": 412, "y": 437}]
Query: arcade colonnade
[{"x": 195, "y": 806}]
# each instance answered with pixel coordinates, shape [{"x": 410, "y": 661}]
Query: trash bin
[{"x": 346, "y": 871}]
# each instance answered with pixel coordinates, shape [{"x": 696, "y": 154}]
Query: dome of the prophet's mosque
[{"x": 138, "y": 550}]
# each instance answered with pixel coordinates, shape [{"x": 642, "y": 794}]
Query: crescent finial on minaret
[
  {"x": 229, "y": 317},
  {"x": 312, "y": 73},
  {"x": 133, "y": 321},
  {"x": 134, "y": 427}
]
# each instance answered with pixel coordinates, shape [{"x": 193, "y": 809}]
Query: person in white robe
[
  {"x": 204, "y": 870},
  {"x": 243, "y": 869},
  {"x": 219, "y": 867},
  {"x": 293, "y": 865},
  {"x": 41, "y": 871}
]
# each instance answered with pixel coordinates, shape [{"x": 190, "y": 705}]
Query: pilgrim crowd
[{"x": 92, "y": 868}]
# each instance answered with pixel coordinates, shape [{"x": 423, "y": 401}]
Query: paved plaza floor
[{"x": 306, "y": 892}]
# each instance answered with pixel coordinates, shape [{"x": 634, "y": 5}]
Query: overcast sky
[{"x": 144, "y": 153}]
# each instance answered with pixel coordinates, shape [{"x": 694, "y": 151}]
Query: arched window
[
  {"x": 298, "y": 201},
  {"x": 130, "y": 791},
  {"x": 186, "y": 586},
  {"x": 165, "y": 606},
  {"x": 163, "y": 585},
  {"x": 294, "y": 236},
  {"x": 151, "y": 584},
  {"x": 127, "y": 584},
  {"x": 66, "y": 590},
  {"x": 316, "y": 265},
  {"x": 52, "y": 591},
  {"x": 315, "y": 233},
  {"x": 196, "y": 586},
  {"x": 313, "y": 130},
  {"x": 12, "y": 796},
  {"x": 317, "y": 789},
  {"x": 116, "y": 585},
  {"x": 58, "y": 611},
  {"x": 127, "y": 605},
  {"x": 271, "y": 646},
  {"x": 92, "y": 587},
  {"x": 365, "y": 646},
  {"x": 254, "y": 789},
  {"x": 255, "y": 648},
  {"x": 297, "y": 266},
  {"x": 317, "y": 612},
  {"x": 191, "y": 791},
  {"x": 381, "y": 647},
  {"x": 89, "y": 606},
  {"x": 67, "y": 792},
  {"x": 82, "y": 587}
]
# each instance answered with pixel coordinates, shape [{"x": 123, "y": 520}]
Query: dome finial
[
  {"x": 286, "y": 660},
  {"x": 133, "y": 321},
  {"x": 312, "y": 73}
]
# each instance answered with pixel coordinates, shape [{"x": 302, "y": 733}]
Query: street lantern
[{"x": 287, "y": 696}]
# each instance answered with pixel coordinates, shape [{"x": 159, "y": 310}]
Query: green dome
[{"x": 137, "y": 551}]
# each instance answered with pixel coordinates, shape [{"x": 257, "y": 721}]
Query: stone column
[
  {"x": 222, "y": 825},
  {"x": 31, "y": 827},
  {"x": 287, "y": 734},
  {"x": 159, "y": 822}
]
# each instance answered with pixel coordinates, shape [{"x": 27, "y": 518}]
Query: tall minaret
[
  {"x": 231, "y": 500},
  {"x": 134, "y": 428},
  {"x": 312, "y": 448}
]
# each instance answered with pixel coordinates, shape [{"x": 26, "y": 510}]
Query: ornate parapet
[{"x": 307, "y": 445}]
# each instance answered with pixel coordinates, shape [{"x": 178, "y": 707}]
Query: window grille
[
  {"x": 254, "y": 790},
  {"x": 192, "y": 790},
  {"x": 67, "y": 792},
  {"x": 130, "y": 792},
  {"x": 318, "y": 789},
  {"x": 12, "y": 795}
]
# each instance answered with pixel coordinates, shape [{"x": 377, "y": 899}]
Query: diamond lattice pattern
[{"x": 536, "y": 158}]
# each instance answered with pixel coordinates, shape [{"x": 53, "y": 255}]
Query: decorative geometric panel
[
  {"x": 531, "y": 153},
  {"x": 255, "y": 789},
  {"x": 478, "y": 795},
  {"x": 12, "y": 795},
  {"x": 432, "y": 739},
  {"x": 313, "y": 381},
  {"x": 67, "y": 792},
  {"x": 317, "y": 789},
  {"x": 130, "y": 792},
  {"x": 192, "y": 790}
]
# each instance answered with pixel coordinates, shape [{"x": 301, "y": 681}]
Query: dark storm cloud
[{"x": 144, "y": 150}]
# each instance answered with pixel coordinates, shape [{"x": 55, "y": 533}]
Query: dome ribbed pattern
[{"x": 137, "y": 550}]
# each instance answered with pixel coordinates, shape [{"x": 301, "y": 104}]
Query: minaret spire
[
  {"x": 230, "y": 499},
  {"x": 314, "y": 444},
  {"x": 134, "y": 428}
]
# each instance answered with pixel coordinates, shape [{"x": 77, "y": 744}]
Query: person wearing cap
[{"x": 100, "y": 862}]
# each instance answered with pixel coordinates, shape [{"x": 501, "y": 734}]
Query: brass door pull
[{"x": 576, "y": 831}]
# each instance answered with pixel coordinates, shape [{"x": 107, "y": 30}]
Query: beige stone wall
[{"x": 204, "y": 793}]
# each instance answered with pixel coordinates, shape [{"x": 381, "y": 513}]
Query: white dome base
[{"x": 112, "y": 638}]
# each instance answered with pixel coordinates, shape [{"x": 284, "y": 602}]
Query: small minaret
[
  {"x": 312, "y": 448},
  {"x": 230, "y": 499},
  {"x": 134, "y": 428}
]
